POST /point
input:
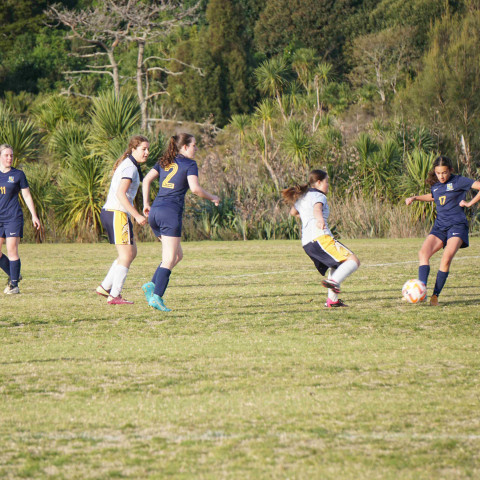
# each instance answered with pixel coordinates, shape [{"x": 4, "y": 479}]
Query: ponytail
[
  {"x": 292, "y": 194},
  {"x": 174, "y": 145}
]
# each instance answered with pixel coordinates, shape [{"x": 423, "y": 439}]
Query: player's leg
[
  {"x": 4, "y": 261},
  {"x": 172, "y": 253},
  {"x": 126, "y": 255},
  {"x": 15, "y": 265},
  {"x": 431, "y": 245},
  {"x": 451, "y": 248}
]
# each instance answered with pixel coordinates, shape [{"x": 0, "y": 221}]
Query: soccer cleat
[
  {"x": 338, "y": 303},
  {"x": 101, "y": 291},
  {"x": 157, "y": 303},
  {"x": 434, "y": 300},
  {"x": 148, "y": 289},
  {"x": 118, "y": 301},
  {"x": 332, "y": 284},
  {"x": 11, "y": 290},
  {"x": 10, "y": 278}
]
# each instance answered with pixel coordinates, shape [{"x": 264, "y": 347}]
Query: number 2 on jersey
[{"x": 166, "y": 183}]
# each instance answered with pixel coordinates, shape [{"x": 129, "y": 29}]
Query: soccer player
[
  {"x": 176, "y": 171},
  {"x": 309, "y": 203},
  {"x": 115, "y": 217},
  {"x": 12, "y": 181},
  {"x": 450, "y": 230}
]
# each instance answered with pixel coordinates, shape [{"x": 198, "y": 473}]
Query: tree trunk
[
  {"x": 140, "y": 93},
  {"x": 116, "y": 75}
]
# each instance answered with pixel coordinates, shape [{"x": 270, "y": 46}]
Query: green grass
[{"x": 248, "y": 377}]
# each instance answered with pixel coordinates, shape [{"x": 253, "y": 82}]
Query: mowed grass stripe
[{"x": 248, "y": 377}]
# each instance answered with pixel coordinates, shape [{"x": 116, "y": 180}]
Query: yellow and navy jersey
[
  {"x": 11, "y": 183},
  {"x": 447, "y": 197},
  {"x": 173, "y": 181}
]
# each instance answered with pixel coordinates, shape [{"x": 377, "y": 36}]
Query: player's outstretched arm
[
  {"x": 294, "y": 212},
  {"x": 198, "y": 190},
  {"x": 419, "y": 198}
]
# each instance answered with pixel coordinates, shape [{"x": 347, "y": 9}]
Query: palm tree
[
  {"x": 272, "y": 78},
  {"x": 303, "y": 62},
  {"x": 21, "y": 135},
  {"x": 66, "y": 135},
  {"x": 322, "y": 76},
  {"x": 82, "y": 187},
  {"x": 297, "y": 144},
  {"x": 265, "y": 112},
  {"x": 113, "y": 121}
]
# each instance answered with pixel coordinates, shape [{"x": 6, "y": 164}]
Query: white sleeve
[
  {"x": 128, "y": 172},
  {"x": 318, "y": 197}
]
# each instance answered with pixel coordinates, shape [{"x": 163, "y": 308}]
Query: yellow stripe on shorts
[
  {"x": 333, "y": 248},
  {"x": 121, "y": 229}
]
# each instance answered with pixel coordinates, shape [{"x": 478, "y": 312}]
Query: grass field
[{"x": 248, "y": 377}]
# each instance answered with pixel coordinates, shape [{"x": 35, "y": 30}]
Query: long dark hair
[
  {"x": 292, "y": 194},
  {"x": 440, "y": 161},
  {"x": 134, "y": 142},
  {"x": 174, "y": 145}
]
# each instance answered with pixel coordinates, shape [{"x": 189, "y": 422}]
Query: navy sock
[
  {"x": 162, "y": 276},
  {"x": 440, "y": 282},
  {"x": 155, "y": 274},
  {"x": 5, "y": 264},
  {"x": 14, "y": 272},
  {"x": 423, "y": 271}
]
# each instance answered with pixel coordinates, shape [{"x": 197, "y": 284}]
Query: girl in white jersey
[
  {"x": 309, "y": 203},
  {"x": 116, "y": 213}
]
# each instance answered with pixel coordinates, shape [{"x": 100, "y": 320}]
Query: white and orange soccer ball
[{"x": 414, "y": 291}]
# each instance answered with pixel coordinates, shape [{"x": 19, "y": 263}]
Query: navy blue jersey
[
  {"x": 173, "y": 183},
  {"x": 447, "y": 197},
  {"x": 10, "y": 185}
]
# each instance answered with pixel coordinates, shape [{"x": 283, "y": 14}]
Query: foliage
[
  {"x": 82, "y": 188},
  {"x": 21, "y": 135}
]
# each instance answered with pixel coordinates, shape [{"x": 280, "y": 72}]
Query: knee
[{"x": 179, "y": 256}]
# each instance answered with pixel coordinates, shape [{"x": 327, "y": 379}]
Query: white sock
[
  {"x": 332, "y": 296},
  {"x": 119, "y": 276},
  {"x": 108, "y": 280},
  {"x": 344, "y": 270}
]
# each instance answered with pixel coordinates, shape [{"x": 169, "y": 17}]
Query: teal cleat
[
  {"x": 157, "y": 303},
  {"x": 148, "y": 289}
]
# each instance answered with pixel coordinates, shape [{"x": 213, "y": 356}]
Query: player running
[
  {"x": 177, "y": 171},
  {"x": 115, "y": 217},
  {"x": 309, "y": 203},
  {"x": 450, "y": 230},
  {"x": 12, "y": 181}
]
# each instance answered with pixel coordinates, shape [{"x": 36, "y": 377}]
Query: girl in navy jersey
[
  {"x": 12, "y": 182},
  {"x": 450, "y": 230},
  {"x": 177, "y": 172},
  {"x": 115, "y": 217},
  {"x": 309, "y": 202}
]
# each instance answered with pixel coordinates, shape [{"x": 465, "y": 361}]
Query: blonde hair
[
  {"x": 134, "y": 142},
  {"x": 4, "y": 146}
]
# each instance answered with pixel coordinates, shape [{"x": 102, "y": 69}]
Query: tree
[
  {"x": 382, "y": 57},
  {"x": 103, "y": 29},
  {"x": 445, "y": 93}
]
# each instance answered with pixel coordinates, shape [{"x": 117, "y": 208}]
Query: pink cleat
[
  {"x": 118, "y": 301},
  {"x": 101, "y": 291}
]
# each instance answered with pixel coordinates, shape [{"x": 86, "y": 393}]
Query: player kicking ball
[{"x": 309, "y": 203}]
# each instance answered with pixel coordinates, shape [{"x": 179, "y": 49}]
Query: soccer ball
[{"x": 414, "y": 291}]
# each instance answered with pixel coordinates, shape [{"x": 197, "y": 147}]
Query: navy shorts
[
  {"x": 460, "y": 230},
  {"x": 166, "y": 220},
  {"x": 12, "y": 228},
  {"x": 118, "y": 226},
  {"x": 326, "y": 252}
]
